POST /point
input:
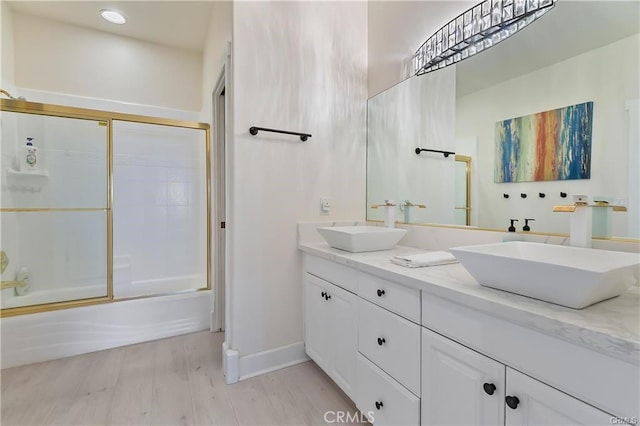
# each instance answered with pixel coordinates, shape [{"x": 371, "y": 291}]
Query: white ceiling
[{"x": 181, "y": 24}]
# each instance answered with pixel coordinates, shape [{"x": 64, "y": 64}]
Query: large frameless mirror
[{"x": 581, "y": 52}]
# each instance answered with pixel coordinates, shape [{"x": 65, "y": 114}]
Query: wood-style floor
[{"x": 175, "y": 381}]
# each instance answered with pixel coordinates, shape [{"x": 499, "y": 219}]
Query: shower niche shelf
[
  {"x": 35, "y": 173},
  {"x": 27, "y": 181}
]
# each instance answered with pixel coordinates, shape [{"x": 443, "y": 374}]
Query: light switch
[{"x": 325, "y": 205}]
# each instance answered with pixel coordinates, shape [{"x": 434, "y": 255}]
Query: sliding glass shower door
[
  {"x": 159, "y": 209},
  {"x": 54, "y": 206}
]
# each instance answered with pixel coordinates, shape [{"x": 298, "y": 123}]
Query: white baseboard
[
  {"x": 229, "y": 364},
  {"x": 271, "y": 360},
  {"x": 50, "y": 335}
]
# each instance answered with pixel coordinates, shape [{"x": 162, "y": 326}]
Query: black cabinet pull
[
  {"x": 327, "y": 296},
  {"x": 380, "y": 293},
  {"x": 512, "y": 402},
  {"x": 381, "y": 341},
  {"x": 379, "y": 405},
  {"x": 323, "y": 294},
  {"x": 489, "y": 388}
]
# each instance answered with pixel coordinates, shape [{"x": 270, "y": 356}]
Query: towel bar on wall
[
  {"x": 445, "y": 153},
  {"x": 303, "y": 136}
]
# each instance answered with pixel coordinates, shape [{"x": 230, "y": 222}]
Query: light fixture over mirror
[{"x": 477, "y": 29}]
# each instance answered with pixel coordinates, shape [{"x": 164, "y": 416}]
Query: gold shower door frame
[
  {"x": 25, "y": 107},
  {"x": 467, "y": 160}
]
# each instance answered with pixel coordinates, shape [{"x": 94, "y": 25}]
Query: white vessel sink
[
  {"x": 357, "y": 239},
  {"x": 569, "y": 276}
]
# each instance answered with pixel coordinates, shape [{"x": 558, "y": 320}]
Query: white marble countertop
[{"x": 611, "y": 327}]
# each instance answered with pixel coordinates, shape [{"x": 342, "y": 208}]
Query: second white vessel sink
[
  {"x": 357, "y": 239},
  {"x": 569, "y": 276}
]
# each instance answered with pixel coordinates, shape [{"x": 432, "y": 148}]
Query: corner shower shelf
[
  {"x": 27, "y": 181},
  {"x": 35, "y": 173}
]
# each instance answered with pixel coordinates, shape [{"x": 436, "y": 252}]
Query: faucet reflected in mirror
[{"x": 406, "y": 207}]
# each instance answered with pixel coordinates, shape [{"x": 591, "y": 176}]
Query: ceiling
[{"x": 181, "y": 24}]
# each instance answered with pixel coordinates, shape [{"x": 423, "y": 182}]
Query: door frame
[{"x": 219, "y": 113}]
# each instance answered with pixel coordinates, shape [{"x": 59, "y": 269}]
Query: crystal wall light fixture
[{"x": 477, "y": 29}]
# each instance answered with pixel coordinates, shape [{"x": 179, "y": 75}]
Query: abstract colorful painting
[{"x": 550, "y": 145}]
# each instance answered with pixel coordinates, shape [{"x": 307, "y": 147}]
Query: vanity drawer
[
  {"x": 397, "y": 298},
  {"x": 340, "y": 275},
  {"x": 391, "y": 342},
  {"x": 395, "y": 405}
]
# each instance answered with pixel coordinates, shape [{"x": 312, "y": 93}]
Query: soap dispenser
[
  {"x": 29, "y": 156},
  {"x": 512, "y": 228}
]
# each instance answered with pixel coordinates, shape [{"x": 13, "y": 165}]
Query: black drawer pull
[
  {"x": 381, "y": 341},
  {"x": 379, "y": 405},
  {"x": 489, "y": 388},
  {"x": 380, "y": 293},
  {"x": 323, "y": 294},
  {"x": 512, "y": 402},
  {"x": 327, "y": 296}
]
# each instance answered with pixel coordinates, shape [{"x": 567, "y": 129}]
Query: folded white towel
[{"x": 433, "y": 258}]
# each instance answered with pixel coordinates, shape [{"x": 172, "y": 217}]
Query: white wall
[
  {"x": 608, "y": 76},
  {"x": 213, "y": 57},
  {"x": 297, "y": 66},
  {"x": 58, "y": 57},
  {"x": 6, "y": 46},
  {"x": 396, "y": 30}
]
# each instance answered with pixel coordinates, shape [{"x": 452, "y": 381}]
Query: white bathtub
[{"x": 56, "y": 334}]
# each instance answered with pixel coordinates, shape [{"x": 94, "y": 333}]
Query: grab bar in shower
[{"x": 303, "y": 136}]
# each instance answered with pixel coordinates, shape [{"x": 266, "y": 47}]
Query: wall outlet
[{"x": 325, "y": 205}]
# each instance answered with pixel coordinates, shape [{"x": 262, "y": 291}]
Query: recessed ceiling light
[{"x": 113, "y": 16}]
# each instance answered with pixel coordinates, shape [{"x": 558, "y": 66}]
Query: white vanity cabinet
[
  {"x": 462, "y": 386},
  {"x": 407, "y": 355},
  {"x": 331, "y": 330}
]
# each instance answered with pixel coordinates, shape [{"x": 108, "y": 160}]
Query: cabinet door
[
  {"x": 315, "y": 320},
  {"x": 459, "y": 385},
  {"x": 539, "y": 404},
  {"x": 342, "y": 338}
]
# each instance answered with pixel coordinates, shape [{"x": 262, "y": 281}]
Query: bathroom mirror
[{"x": 579, "y": 52}]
